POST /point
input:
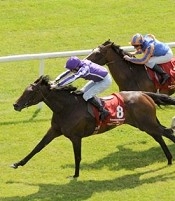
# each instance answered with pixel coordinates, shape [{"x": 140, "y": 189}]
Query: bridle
[
  {"x": 44, "y": 97},
  {"x": 38, "y": 90}
]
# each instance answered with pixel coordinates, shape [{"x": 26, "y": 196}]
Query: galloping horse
[
  {"x": 127, "y": 75},
  {"x": 71, "y": 116}
]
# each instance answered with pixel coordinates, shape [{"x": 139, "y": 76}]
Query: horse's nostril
[{"x": 15, "y": 105}]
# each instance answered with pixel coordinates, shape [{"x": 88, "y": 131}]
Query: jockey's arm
[
  {"x": 62, "y": 75},
  {"x": 147, "y": 54},
  {"x": 136, "y": 52},
  {"x": 72, "y": 78},
  {"x": 68, "y": 80}
]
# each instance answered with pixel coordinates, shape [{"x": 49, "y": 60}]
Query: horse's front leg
[
  {"x": 50, "y": 135},
  {"x": 77, "y": 154}
]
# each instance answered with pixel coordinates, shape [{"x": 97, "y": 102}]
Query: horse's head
[
  {"x": 106, "y": 53},
  {"x": 33, "y": 94},
  {"x": 101, "y": 54}
]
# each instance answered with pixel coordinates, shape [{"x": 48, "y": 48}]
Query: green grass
[{"x": 123, "y": 164}]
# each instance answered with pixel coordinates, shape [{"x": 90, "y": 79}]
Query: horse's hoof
[
  {"x": 14, "y": 166},
  {"x": 169, "y": 162},
  {"x": 72, "y": 178}
]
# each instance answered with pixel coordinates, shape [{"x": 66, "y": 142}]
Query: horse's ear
[
  {"x": 39, "y": 79},
  {"x": 44, "y": 79},
  {"x": 110, "y": 44}
]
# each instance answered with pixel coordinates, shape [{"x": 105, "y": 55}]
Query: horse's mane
[
  {"x": 68, "y": 88},
  {"x": 117, "y": 48},
  {"x": 45, "y": 79},
  {"x": 120, "y": 51}
]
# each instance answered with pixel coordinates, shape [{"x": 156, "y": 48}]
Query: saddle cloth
[
  {"x": 115, "y": 105},
  {"x": 169, "y": 68}
]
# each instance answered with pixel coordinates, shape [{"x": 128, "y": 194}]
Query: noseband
[{"x": 37, "y": 89}]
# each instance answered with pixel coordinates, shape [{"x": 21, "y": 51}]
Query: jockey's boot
[
  {"x": 162, "y": 73},
  {"x": 103, "y": 112}
]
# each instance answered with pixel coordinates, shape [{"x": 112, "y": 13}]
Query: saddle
[{"x": 169, "y": 68}]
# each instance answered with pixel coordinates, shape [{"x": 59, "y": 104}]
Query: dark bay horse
[
  {"x": 128, "y": 76},
  {"x": 72, "y": 119}
]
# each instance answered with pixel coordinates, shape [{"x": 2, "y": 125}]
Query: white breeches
[
  {"x": 160, "y": 60},
  {"x": 93, "y": 88}
]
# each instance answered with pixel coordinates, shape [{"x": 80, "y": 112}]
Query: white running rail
[{"x": 42, "y": 56}]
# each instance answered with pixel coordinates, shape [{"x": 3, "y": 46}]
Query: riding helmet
[
  {"x": 137, "y": 39},
  {"x": 73, "y": 62}
]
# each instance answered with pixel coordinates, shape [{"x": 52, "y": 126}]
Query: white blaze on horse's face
[{"x": 96, "y": 50}]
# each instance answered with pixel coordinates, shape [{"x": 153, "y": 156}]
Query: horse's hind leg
[
  {"x": 164, "y": 147},
  {"x": 151, "y": 125},
  {"x": 156, "y": 130}
]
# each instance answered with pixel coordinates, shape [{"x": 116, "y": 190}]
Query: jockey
[
  {"x": 155, "y": 52},
  {"x": 98, "y": 76}
]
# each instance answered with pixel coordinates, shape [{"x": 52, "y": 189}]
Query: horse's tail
[{"x": 161, "y": 99}]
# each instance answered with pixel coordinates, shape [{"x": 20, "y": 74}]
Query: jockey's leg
[
  {"x": 103, "y": 112},
  {"x": 162, "y": 73},
  {"x": 91, "y": 89}
]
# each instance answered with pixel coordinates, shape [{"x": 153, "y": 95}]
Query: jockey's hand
[
  {"x": 77, "y": 92},
  {"x": 126, "y": 57},
  {"x": 56, "y": 81},
  {"x": 53, "y": 86},
  {"x": 52, "y": 82}
]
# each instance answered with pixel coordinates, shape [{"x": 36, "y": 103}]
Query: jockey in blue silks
[
  {"x": 155, "y": 52},
  {"x": 98, "y": 76}
]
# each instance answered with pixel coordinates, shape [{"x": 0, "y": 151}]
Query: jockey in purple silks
[
  {"x": 98, "y": 76},
  {"x": 155, "y": 52}
]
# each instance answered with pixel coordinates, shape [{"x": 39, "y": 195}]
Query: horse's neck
[
  {"x": 117, "y": 66},
  {"x": 129, "y": 76},
  {"x": 59, "y": 101}
]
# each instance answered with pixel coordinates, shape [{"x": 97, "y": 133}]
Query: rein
[{"x": 44, "y": 97}]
